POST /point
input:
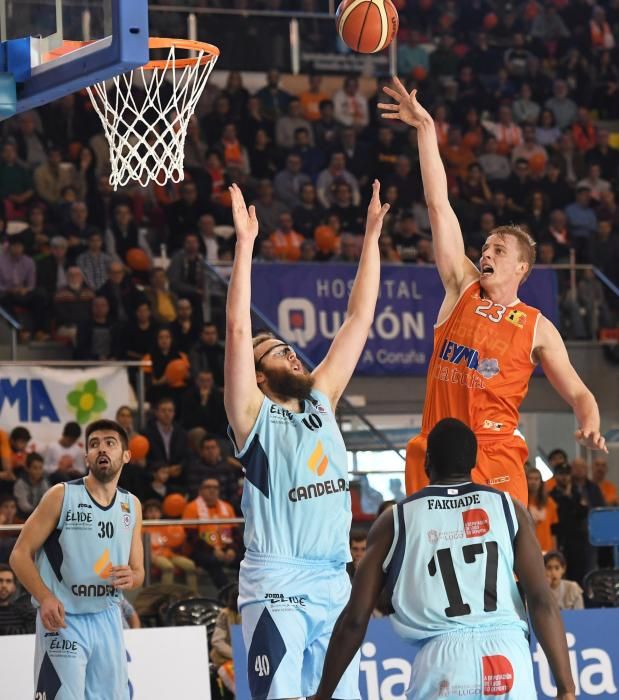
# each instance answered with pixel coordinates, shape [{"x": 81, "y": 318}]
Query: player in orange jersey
[{"x": 486, "y": 341}]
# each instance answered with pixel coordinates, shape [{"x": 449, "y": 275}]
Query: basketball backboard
[{"x": 51, "y": 48}]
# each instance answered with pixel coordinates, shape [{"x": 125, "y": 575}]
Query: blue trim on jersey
[
  {"x": 508, "y": 517},
  {"x": 393, "y": 569},
  {"x": 266, "y": 651},
  {"x": 82, "y": 482},
  {"x": 256, "y": 464},
  {"x": 48, "y": 682},
  {"x": 53, "y": 550}
]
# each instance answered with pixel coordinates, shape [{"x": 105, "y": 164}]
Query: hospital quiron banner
[
  {"x": 386, "y": 662},
  {"x": 307, "y": 303},
  {"x": 43, "y": 399}
]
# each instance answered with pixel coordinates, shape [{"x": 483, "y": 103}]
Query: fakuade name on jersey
[{"x": 452, "y": 503}]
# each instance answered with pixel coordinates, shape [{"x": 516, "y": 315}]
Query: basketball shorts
[
  {"x": 476, "y": 664},
  {"x": 500, "y": 464},
  {"x": 288, "y": 611},
  {"x": 84, "y": 661}
]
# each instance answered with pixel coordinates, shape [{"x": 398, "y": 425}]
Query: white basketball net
[{"x": 146, "y": 126}]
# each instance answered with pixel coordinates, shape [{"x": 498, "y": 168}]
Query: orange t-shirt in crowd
[
  {"x": 544, "y": 518},
  {"x": 310, "y": 104},
  {"x": 479, "y": 373},
  {"x": 215, "y": 535},
  {"x": 287, "y": 245},
  {"x": 609, "y": 491}
]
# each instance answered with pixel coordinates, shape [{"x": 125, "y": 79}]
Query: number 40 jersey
[{"x": 450, "y": 566}]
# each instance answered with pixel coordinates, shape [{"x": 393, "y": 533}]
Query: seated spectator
[
  {"x": 328, "y": 177},
  {"x": 384, "y": 154},
  {"x": 287, "y": 124},
  {"x": 444, "y": 60},
  {"x": 507, "y": 133},
  {"x": 600, "y": 32},
  {"x": 161, "y": 356},
  {"x": 165, "y": 542},
  {"x": 529, "y": 147},
  {"x": 568, "y": 594},
  {"x": 64, "y": 459},
  {"x": 350, "y": 105},
  {"x": 495, "y": 165},
  {"x": 15, "y": 448},
  {"x": 543, "y": 511},
  {"x": 311, "y": 98},
  {"x": 388, "y": 252},
  {"x": 273, "y": 100},
  {"x": 557, "y": 190},
  {"x": 121, "y": 292},
  {"x": 547, "y": 133},
  {"x": 308, "y": 251},
  {"x": 211, "y": 464},
  {"x": 98, "y": 338},
  {"x": 596, "y": 184},
  {"x": 17, "y": 615},
  {"x": 583, "y": 131},
  {"x": 351, "y": 217},
  {"x": 18, "y": 287},
  {"x": 123, "y": 234},
  {"x": 581, "y": 220},
  {"x": 52, "y": 176},
  {"x": 232, "y": 152},
  {"x": 51, "y": 270},
  {"x": 309, "y": 214},
  {"x": 72, "y": 304},
  {"x": 77, "y": 229},
  {"x": 124, "y": 416},
  {"x": 286, "y": 241},
  {"x": 349, "y": 250},
  {"x": 161, "y": 300},
  {"x": 187, "y": 273},
  {"x": 266, "y": 252},
  {"x": 312, "y": 157},
  {"x": 208, "y": 354},
  {"x": 202, "y": 405},
  {"x": 93, "y": 262},
  {"x": 168, "y": 443},
  {"x": 268, "y": 208},
  {"x": 185, "y": 330},
  {"x": 140, "y": 334},
  {"x": 221, "y": 640},
  {"x": 358, "y": 541},
  {"x": 210, "y": 243},
  {"x": 603, "y": 250},
  {"x": 289, "y": 182},
  {"x": 406, "y": 237},
  {"x": 599, "y": 472},
  {"x": 155, "y": 484},
  {"x": 327, "y": 128},
  {"x": 29, "y": 139},
  {"x": 563, "y": 108},
  {"x": 263, "y": 156},
  {"x": 15, "y": 179},
  {"x": 456, "y": 155},
  {"x": 37, "y": 236},
  {"x": 31, "y": 485},
  {"x": 524, "y": 108},
  {"x": 412, "y": 54},
  {"x": 213, "y": 545},
  {"x": 605, "y": 156}
]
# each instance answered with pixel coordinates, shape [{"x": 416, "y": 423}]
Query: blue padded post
[{"x": 8, "y": 95}]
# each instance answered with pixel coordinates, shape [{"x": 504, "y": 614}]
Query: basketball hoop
[{"x": 145, "y": 127}]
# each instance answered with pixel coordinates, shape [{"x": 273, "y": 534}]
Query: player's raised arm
[
  {"x": 543, "y": 608},
  {"x": 551, "y": 352},
  {"x": 242, "y": 398},
  {"x": 455, "y": 269},
  {"x": 334, "y": 372},
  {"x": 352, "y": 623},
  {"x": 35, "y": 532}
]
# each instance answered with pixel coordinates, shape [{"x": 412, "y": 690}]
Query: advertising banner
[
  {"x": 164, "y": 662},
  {"x": 43, "y": 399},
  {"x": 307, "y": 303},
  {"x": 386, "y": 660}
]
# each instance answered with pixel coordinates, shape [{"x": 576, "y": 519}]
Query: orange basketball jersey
[{"x": 481, "y": 365}]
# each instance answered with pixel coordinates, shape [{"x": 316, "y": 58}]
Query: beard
[
  {"x": 288, "y": 384},
  {"x": 105, "y": 475}
]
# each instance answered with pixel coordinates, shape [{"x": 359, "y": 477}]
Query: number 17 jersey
[{"x": 450, "y": 566}]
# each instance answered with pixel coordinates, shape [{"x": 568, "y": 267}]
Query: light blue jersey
[
  {"x": 76, "y": 559},
  {"x": 296, "y": 499},
  {"x": 451, "y": 564}
]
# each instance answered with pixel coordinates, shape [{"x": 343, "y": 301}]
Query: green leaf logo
[{"x": 86, "y": 401}]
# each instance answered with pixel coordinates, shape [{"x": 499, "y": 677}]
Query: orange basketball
[
  {"x": 139, "y": 446},
  {"x": 490, "y": 20},
  {"x": 325, "y": 239},
  {"x": 173, "y": 505},
  {"x": 176, "y": 372},
  {"x": 537, "y": 163},
  {"x": 367, "y": 26},
  {"x": 137, "y": 260}
]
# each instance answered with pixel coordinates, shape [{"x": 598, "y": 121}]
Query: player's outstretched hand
[
  {"x": 122, "y": 577},
  {"x": 406, "y": 107},
  {"x": 376, "y": 212},
  {"x": 52, "y": 614},
  {"x": 591, "y": 439},
  {"x": 245, "y": 221}
]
